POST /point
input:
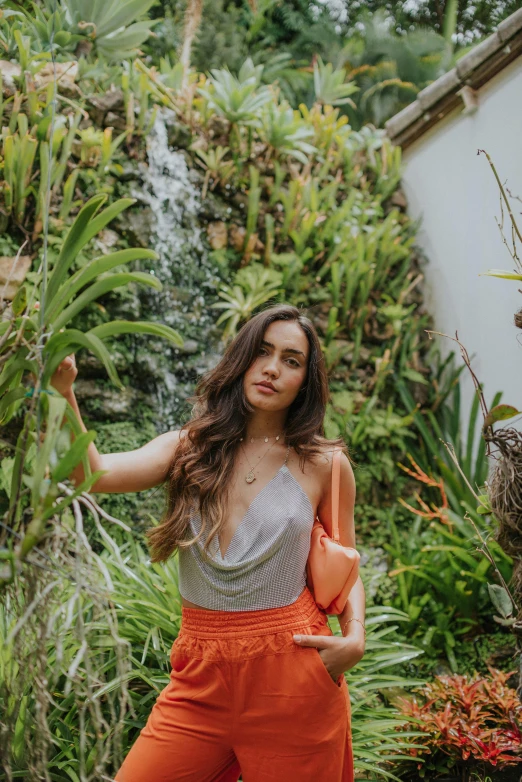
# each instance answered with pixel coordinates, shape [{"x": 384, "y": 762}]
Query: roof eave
[{"x": 473, "y": 70}]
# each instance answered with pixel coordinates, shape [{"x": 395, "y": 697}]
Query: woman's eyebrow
[{"x": 286, "y": 350}]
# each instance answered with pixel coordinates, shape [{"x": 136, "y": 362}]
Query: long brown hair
[{"x": 203, "y": 461}]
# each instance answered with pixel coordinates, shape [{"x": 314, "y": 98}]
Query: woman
[{"x": 257, "y": 685}]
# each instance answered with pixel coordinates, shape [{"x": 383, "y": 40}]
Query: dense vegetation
[{"x": 154, "y": 209}]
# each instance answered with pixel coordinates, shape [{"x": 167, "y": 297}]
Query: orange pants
[{"x": 245, "y": 699}]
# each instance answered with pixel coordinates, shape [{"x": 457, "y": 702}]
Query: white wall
[{"x": 454, "y": 192}]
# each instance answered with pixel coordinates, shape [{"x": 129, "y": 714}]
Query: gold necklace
[{"x": 250, "y": 477}]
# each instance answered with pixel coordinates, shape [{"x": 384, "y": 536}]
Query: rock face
[
  {"x": 9, "y": 71},
  {"x": 217, "y": 235},
  {"x": 66, "y": 73},
  {"x": 12, "y": 274}
]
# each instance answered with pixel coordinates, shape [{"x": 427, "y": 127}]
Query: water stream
[{"x": 189, "y": 276}]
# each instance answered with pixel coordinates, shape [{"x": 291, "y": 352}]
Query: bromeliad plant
[
  {"x": 467, "y": 723},
  {"x": 254, "y": 286},
  {"x": 35, "y": 336},
  {"x": 238, "y": 100},
  {"x": 285, "y": 133},
  {"x": 30, "y": 160}
]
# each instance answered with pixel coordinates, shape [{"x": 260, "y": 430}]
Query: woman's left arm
[
  {"x": 341, "y": 654},
  {"x": 354, "y": 632},
  {"x": 355, "y": 606}
]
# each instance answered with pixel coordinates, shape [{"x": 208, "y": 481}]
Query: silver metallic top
[{"x": 265, "y": 563}]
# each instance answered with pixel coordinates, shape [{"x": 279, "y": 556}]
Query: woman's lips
[{"x": 265, "y": 389}]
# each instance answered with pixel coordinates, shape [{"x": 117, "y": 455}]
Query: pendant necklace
[{"x": 250, "y": 476}]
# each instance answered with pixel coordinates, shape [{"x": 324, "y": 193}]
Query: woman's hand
[
  {"x": 65, "y": 375},
  {"x": 340, "y": 654}
]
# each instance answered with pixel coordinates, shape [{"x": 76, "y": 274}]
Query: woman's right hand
[{"x": 65, "y": 375}]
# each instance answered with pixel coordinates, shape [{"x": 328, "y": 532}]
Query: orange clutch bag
[{"x": 332, "y": 569}]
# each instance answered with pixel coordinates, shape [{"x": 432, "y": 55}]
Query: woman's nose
[{"x": 272, "y": 366}]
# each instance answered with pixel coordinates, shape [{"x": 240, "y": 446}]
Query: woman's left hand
[{"x": 339, "y": 654}]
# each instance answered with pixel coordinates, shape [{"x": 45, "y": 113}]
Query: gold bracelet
[{"x": 354, "y": 619}]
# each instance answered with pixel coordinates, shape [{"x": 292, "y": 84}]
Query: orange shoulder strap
[{"x": 336, "y": 472}]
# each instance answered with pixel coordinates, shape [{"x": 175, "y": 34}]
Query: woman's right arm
[{"x": 128, "y": 471}]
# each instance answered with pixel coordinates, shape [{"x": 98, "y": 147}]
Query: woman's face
[{"x": 282, "y": 361}]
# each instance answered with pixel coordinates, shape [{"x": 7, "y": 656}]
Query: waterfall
[{"x": 189, "y": 276}]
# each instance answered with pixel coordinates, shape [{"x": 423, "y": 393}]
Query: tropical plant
[
  {"x": 390, "y": 69},
  {"x": 374, "y": 723},
  {"x": 441, "y": 422},
  {"x": 216, "y": 167},
  {"x": 51, "y": 30},
  {"x": 172, "y": 73},
  {"x": 31, "y": 160},
  {"x": 11, "y": 21},
  {"x": 330, "y": 86},
  {"x": 62, "y": 709},
  {"x": 281, "y": 70},
  {"x": 297, "y": 26},
  {"x": 237, "y": 99},
  {"x": 253, "y": 286},
  {"x": 449, "y": 555},
  {"x": 114, "y": 29},
  {"x": 24, "y": 350},
  {"x": 285, "y": 133},
  {"x": 467, "y": 722}
]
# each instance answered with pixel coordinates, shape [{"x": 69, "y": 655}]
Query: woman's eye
[{"x": 294, "y": 361}]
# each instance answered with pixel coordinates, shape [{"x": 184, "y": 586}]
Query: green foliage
[
  {"x": 59, "y": 302},
  {"x": 51, "y": 28},
  {"x": 442, "y": 582},
  {"x": 467, "y": 723},
  {"x": 390, "y": 69},
  {"x": 330, "y": 86},
  {"x": 254, "y": 286},
  {"x": 222, "y": 39},
  {"x": 440, "y": 423},
  {"x": 376, "y": 436},
  {"x": 448, "y": 557},
  {"x": 291, "y": 76},
  {"x": 285, "y": 132},
  {"x": 30, "y": 159},
  {"x": 217, "y": 168},
  {"x": 238, "y": 100},
  {"x": 297, "y": 26},
  {"x": 114, "y": 28}
]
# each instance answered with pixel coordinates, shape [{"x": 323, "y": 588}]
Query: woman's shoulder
[
  {"x": 322, "y": 458},
  {"x": 323, "y": 463}
]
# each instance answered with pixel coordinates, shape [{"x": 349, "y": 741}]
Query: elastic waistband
[{"x": 203, "y": 622}]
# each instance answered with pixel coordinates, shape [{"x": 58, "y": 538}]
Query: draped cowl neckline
[
  {"x": 253, "y": 511},
  {"x": 264, "y": 565}
]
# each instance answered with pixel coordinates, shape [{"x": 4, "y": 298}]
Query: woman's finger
[{"x": 68, "y": 363}]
